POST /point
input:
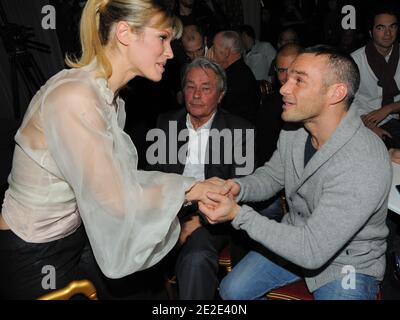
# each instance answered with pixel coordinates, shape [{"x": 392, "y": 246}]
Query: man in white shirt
[
  {"x": 214, "y": 138},
  {"x": 259, "y": 55},
  {"x": 378, "y": 98}
]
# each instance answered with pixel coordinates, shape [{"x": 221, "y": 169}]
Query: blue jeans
[{"x": 255, "y": 275}]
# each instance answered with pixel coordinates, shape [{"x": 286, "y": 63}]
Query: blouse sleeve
[{"x": 129, "y": 215}]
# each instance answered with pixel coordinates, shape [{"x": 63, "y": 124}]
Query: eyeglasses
[{"x": 195, "y": 53}]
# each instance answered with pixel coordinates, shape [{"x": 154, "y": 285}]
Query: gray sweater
[{"x": 337, "y": 203}]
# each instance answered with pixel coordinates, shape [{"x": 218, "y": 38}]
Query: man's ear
[
  {"x": 370, "y": 34},
  {"x": 337, "y": 93},
  {"x": 227, "y": 52},
  {"x": 221, "y": 96},
  {"x": 123, "y": 32}
]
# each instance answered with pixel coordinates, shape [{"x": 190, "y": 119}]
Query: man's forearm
[{"x": 393, "y": 107}]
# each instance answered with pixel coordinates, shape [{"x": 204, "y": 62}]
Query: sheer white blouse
[{"x": 73, "y": 161}]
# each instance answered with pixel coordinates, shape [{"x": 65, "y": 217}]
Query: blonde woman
[{"x": 75, "y": 171}]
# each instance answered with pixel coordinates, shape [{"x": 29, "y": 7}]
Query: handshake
[{"x": 216, "y": 199}]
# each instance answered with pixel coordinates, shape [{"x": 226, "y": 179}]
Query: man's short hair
[
  {"x": 342, "y": 66},
  {"x": 247, "y": 29},
  {"x": 290, "y": 49},
  {"x": 196, "y": 27},
  {"x": 295, "y": 38},
  {"x": 382, "y": 8},
  {"x": 232, "y": 40},
  {"x": 207, "y": 64}
]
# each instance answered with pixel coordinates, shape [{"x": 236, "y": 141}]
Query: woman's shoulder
[
  {"x": 71, "y": 79},
  {"x": 70, "y": 84},
  {"x": 72, "y": 91}
]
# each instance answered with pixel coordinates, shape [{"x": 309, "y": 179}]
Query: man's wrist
[
  {"x": 235, "y": 211},
  {"x": 393, "y": 107}
]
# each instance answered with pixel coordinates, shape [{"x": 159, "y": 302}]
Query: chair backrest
[
  {"x": 266, "y": 88},
  {"x": 84, "y": 287},
  {"x": 224, "y": 259}
]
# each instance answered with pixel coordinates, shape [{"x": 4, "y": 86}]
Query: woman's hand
[
  {"x": 373, "y": 118},
  {"x": 199, "y": 191},
  {"x": 225, "y": 208},
  {"x": 188, "y": 227}
]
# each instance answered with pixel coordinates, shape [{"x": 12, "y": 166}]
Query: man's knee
[{"x": 231, "y": 290}]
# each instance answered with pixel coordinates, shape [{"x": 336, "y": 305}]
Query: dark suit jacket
[
  {"x": 222, "y": 120},
  {"x": 243, "y": 95},
  {"x": 268, "y": 125}
]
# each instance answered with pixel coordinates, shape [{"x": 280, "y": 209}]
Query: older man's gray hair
[
  {"x": 232, "y": 40},
  {"x": 207, "y": 64}
]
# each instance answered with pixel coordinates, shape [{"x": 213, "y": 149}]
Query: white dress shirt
[
  {"x": 197, "y": 148},
  {"x": 259, "y": 59}
]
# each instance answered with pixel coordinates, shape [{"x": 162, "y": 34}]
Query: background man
[
  {"x": 243, "y": 95},
  {"x": 259, "y": 55},
  {"x": 378, "y": 99},
  {"x": 193, "y": 42}
]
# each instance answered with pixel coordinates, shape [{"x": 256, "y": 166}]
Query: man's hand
[
  {"x": 395, "y": 155},
  {"x": 232, "y": 187},
  {"x": 188, "y": 227},
  {"x": 381, "y": 132},
  {"x": 225, "y": 209},
  {"x": 373, "y": 118}
]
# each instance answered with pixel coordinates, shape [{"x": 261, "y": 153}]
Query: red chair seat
[
  {"x": 294, "y": 291},
  {"x": 297, "y": 291},
  {"x": 224, "y": 259}
]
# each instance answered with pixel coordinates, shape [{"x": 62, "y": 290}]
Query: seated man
[
  {"x": 259, "y": 55},
  {"x": 194, "y": 43},
  {"x": 269, "y": 121},
  {"x": 243, "y": 95},
  {"x": 269, "y": 124},
  {"x": 378, "y": 98},
  {"x": 214, "y": 145},
  {"x": 334, "y": 235}
]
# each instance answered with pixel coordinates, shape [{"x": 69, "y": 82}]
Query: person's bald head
[
  {"x": 284, "y": 58},
  {"x": 193, "y": 41}
]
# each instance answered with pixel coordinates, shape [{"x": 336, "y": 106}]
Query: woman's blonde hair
[{"x": 98, "y": 17}]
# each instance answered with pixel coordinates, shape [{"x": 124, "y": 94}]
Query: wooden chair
[
  {"x": 83, "y": 287},
  {"x": 224, "y": 259},
  {"x": 266, "y": 88}
]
